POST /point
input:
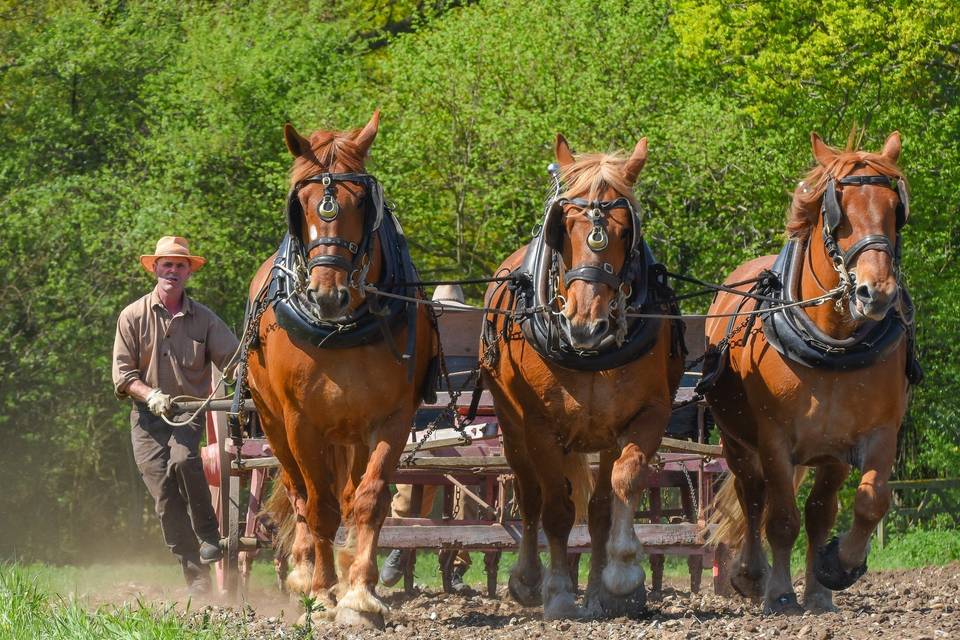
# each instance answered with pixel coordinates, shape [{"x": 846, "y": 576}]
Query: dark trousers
[{"x": 169, "y": 462}]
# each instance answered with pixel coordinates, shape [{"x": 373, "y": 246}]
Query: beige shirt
[{"x": 170, "y": 352}]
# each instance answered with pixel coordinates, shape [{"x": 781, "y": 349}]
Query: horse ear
[
  {"x": 366, "y": 136},
  {"x": 639, "y": 158},
  {"x": 821, "y": 151},
  {"x": 296, "y": 143},
  {"x": 891, "y": 148},
  {"x": 561, "y": 149}
]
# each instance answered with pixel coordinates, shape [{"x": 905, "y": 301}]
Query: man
[{"x": 164, "y": 347}]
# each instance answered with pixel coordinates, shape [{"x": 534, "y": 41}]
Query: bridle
[
  {"x": 328, "y": 209},
  {"x": 597, "y": 212},
  {"x": 832, "y": 216}
]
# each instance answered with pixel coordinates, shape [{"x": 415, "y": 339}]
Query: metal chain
[
  {"x": 693, "y": 494},
  {"x": 450, "y": 411},
  {"x": 251, "y": 332}
]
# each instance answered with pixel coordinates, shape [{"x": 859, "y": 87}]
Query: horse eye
[{"x": 625, "y": 234}]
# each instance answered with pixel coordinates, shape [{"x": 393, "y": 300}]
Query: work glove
[{"x": 159, "y": 402}]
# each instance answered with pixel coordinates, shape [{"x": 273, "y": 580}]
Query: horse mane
[
  {"x": 590, "y": 174},
  {"x": 805, "y": 207},
  {"x": 329, "y": 150}
]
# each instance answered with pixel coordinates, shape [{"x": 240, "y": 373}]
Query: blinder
[
  {"x": 832, "y": 214},
  {"x": 595, "y": 211},
  {"x": 328, "y": 209}
]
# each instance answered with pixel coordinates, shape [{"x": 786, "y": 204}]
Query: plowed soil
[{"x": 911, "y": 604}]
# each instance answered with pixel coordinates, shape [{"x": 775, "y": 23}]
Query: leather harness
[{"x": 791, "y": 332}]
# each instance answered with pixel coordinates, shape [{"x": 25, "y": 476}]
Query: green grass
[{"x": 28, "y": 610}]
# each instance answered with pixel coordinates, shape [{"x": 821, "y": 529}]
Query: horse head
[
  {"x": 864, "y": 205},
  {"x": 334, "y": 208},
  {"x": 595, "y": 228}
]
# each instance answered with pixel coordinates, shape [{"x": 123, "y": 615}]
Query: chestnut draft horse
[
  {"x": 583, "y": 377},
  {"x": 335, "y": 396},
  {"x": 823, "y": 386}
]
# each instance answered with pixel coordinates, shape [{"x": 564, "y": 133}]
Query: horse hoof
[
  {"x": 751, "y": 588},
  {"x": 830, "y": 572},
  {"x": 783, "y": 605},
  {"x": 562, "y": 607},
  {"x": 527, "y": 595},
  {"x": 604, "y": 604},
  {"x": 819, "y": 603},
  {"x": 364, "y": 619}
]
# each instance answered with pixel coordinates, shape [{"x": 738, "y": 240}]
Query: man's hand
[{"x": 159, "y": 402}]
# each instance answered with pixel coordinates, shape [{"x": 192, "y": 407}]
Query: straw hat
[
  {"x": 451, "y": 295},
  {"x": 172, "y": 247}
]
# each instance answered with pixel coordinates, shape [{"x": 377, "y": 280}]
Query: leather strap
[{"x": 592, "y": 273}]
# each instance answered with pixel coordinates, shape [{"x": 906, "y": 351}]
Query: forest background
[{"x": 121, "y": 121}]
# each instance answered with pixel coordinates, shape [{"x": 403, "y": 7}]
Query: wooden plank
[
  {"x": 498, "y": 536},
  {"x": 256, "y": 463},
  {"x": 686, "y": 446}
]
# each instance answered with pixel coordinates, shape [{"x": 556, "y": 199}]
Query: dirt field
[{"x": 911, "y": 604}]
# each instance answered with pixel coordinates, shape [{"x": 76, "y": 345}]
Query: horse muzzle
[
  {"x": 332, "y": 303},
  {"x": 584, "y": 335},
  {"x": 870, "y": 302}
]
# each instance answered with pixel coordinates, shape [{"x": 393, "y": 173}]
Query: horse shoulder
[{"x": 263, "y": 272}]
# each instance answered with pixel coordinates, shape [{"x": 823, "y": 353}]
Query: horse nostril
[
  {"x": 600, "y": 327},
  {"x": 344, "y": 297},
  {"x": 863, "y": 292}
]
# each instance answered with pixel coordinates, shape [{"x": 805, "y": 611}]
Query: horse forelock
[
  {"x": 333, "y": 151},
  {"x": 805, "y": 206},
  {"x": 591, "y": 174}
]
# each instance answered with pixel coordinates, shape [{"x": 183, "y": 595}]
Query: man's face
[{"x": 172, "y": 274}]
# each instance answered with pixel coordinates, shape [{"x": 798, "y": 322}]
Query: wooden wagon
[{"x": 238, "y": 466}]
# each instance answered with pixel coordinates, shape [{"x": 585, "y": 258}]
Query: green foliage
[{"x": 124, "y": 121}]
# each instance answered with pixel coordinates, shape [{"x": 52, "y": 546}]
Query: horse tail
[
  {"x": 731, "y": 524},
  {"x": 279, "y": 511},
  {"x": 728, "y": 516},
  {"x": 577, "y": 471}
]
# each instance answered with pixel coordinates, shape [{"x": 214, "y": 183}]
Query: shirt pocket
[{"x": 194, "y": 356}]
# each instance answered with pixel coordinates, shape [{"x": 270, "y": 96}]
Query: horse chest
[{"x": 588, "y": 415}]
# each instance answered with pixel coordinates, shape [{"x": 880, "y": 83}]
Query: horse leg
[
  {"x": 302, "y": 551},
  {"x": 782, "y": 526},
  {"x": 749, "y": 568},
  {"x": 622, "y": 578},
  {"x": 841, "y": 562},
  {"x": 599, "y": 525},
  {"x": 349, "y": 465},
  {"x": 819, "y": 514},
  {"x": 323, "y": 519},
  {"x": 371, "y": 503},
  {"x": 526, "y": 576},
  {"x": 559, "y": 595}
]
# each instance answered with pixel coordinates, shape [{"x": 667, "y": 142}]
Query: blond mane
[
  {"x": 329, "y": 151},
  {"x": 805, "y": 207},
  {"x": 591, "y": 174}
]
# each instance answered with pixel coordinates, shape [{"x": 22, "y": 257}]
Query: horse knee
[
  {"x": 371, "y": 502},
  {"x": 783, "y": 529},
  {"x": 871, "y": 502},
  {"x": 627, "y": 475}
]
